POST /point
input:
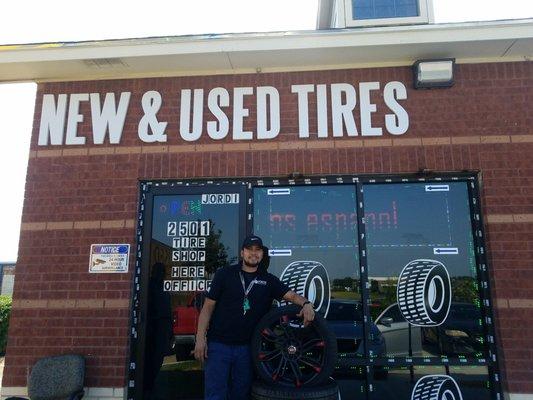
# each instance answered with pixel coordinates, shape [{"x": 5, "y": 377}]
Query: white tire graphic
[
  {"x": 424, "y": 292},
  {"x": 310, "y": 280},
  {"x": 436, "y": 387}
]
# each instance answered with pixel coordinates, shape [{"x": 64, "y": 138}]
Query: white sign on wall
[
  {"x": 109, "y": 258},
  {"x": 340, "y": 110}
]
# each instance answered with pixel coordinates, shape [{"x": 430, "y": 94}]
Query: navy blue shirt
[{"x": 228, "y": 324}]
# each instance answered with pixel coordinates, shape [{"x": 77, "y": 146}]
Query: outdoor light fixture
[{"x": 433, "y": 73}]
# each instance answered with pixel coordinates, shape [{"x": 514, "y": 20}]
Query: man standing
[{"x": 238, "y": 298}]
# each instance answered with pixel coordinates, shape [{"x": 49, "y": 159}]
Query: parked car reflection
[
  {"x": 345, "y": 319},
  {"x": 460, "y": 334},
  {"x": 184, "y": 322},
  {"x": 395, "y": 331}
]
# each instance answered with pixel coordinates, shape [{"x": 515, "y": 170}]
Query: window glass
[
  {"x": 473, "y": 381},
  {"x": 392, "y": 312},
  {"x": 192, "y": 236},
  {"x": 375, "y": 9},
  {"x": 422, "y": 382},
  {"x": 421, "y": 262},
  {"x": 311, "y": 232}
]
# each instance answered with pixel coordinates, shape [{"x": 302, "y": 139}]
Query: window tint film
[
  {"x": 311, "y": 232},
  {"x": 422, "y": 269},
  {"x": 421, "y": 382},
  {"x": 192, "y": 236}
]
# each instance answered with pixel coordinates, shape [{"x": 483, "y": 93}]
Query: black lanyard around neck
[{"x": 250, "y": 285}]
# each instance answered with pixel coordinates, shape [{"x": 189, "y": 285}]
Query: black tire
[
  {"x": 264, "y": 391},
  {"x": 286, "y": 353},
  {"x": 436, "y": 387},
  {"x": 183, "y": 352},
  {"x": 424, "y": 293},
  {"x": 310, "y": 280}
]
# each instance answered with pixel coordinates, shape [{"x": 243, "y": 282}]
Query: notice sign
[{"x": 109, "y": 258}]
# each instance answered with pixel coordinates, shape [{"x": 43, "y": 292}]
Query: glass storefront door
[{"x": 194, "y": 231}]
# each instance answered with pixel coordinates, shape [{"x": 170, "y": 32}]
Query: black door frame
[{"x": 142, "y": 264}]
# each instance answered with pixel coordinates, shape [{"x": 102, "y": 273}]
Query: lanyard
[{"x": 250, "y": 286}]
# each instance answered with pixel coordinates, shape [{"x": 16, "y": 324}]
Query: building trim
[
  {"x": 282, "y": 145},
  {"x": 77, "y": 225},
  {"x": 92, "y": 304},
  {"x": 241, "y": 53}
]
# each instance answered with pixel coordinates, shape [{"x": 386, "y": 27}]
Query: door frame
[{"x": 138, "y": 320}]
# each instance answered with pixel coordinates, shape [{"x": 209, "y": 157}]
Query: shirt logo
[{"x": 257, "y": 282}]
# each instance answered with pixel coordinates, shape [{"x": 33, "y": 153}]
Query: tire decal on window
[
  {"x": 436, "y": 387},
  {"x": 310, "y": 280},
  {"x": 424, "y": 293}
]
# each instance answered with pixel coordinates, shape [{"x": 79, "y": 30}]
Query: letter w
[{"x": 109, "y": 116}]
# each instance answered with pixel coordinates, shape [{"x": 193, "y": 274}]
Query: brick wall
[{"x": 79, "y": 195}]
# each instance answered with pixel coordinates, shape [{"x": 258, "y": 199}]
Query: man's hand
[
  {"x": 200, "y": 350},
  {"x": 200, "y": 347},
  {"x": 307, "y": 313}
]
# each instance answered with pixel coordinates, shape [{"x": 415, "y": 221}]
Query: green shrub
[{"x": 5, "y": 312}]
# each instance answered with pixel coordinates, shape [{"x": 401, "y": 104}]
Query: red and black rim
[{"x": 291, "y": 354}]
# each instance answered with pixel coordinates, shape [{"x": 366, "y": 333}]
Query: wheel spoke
[
  {"x": 312, "y": 343},
  {"x": 287, "y": 330},
  {"x": 269, "y": 355},
  {"x": 268, "y": 334},
  {"x": 280, "y": 370},
  {"x": 317, "y": 367},
  {"x": 296, "y": 372}
]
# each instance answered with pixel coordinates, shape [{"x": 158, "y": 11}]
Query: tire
[
  {"x": 287, "y": 354},
  {"x": 424, "y": 293},
  {"x": 183, "y": 352},
  {"x": 264, "y": 391},
  {"x": 310, "y": 280},
  {"x": 436, "y": 387}
]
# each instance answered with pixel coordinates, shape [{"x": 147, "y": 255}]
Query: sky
[{"x": 36, "y": 21}]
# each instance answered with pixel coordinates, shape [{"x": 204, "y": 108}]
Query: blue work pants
[{"x": 228, "y": 372}]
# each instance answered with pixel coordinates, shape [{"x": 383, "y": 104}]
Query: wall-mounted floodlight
[{"x": 433, "y": 73}]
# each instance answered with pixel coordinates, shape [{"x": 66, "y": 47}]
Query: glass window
[
  {"x": 421, "y": 262},
  {"x": 193, "y": 234},
  {"x": 311, "y": 232},
  {"x": 473, "y": 381},
  {"x": 392, "y": 312},
  {"x": 377, "y": 9},
  {"x": 421, "y": 382}
]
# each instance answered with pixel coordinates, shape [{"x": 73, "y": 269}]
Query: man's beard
[{"x": 251, "y": 265}]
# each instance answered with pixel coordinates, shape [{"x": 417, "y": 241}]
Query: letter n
[{"x": 52, "y": 120}]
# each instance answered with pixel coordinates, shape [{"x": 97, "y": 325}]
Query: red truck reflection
[{"x": 184, "y": 323}]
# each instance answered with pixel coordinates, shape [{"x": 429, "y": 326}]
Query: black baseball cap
[{"x": 252, "y": 240}]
